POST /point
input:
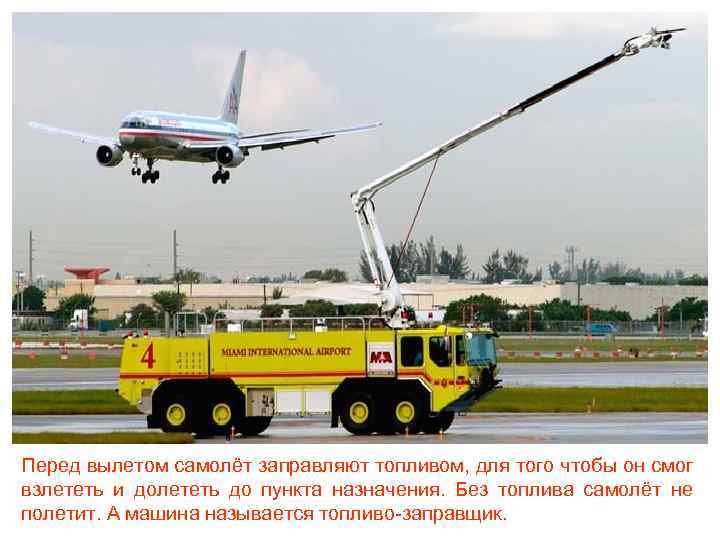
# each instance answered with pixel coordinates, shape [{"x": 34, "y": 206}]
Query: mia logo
[
  {"x": 380, "y": 357},
  {"x": 232, "y": 102}
]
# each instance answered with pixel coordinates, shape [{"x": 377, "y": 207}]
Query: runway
[
  {"x": 562, "y": 374},
  {"x": 65, "y": 378},
  {"x": 606, "y": 374},
  {"x": 488, "y": 428}
]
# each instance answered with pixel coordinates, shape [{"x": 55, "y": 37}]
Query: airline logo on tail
[{"x": 233, "y": 102}]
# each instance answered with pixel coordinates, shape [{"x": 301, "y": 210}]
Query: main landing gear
[
  {"x": 220, "y": 175},
  {"x": 150, "y": 175}
]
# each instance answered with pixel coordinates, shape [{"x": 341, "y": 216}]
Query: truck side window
[
  {"x": 459, "y": 350},
  {"x": 439, "y": 352},
  {"x": 411, "y": 351}
]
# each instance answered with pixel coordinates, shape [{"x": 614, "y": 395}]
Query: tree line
[
  {"x": 591, "y": 270},
  {"x": 334, "y": 275},
  {"x": 489, "y": 309},
  {"x": 421, "y": 258}
]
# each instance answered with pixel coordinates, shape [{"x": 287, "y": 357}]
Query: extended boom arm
[{"x": 373, "y": 244}]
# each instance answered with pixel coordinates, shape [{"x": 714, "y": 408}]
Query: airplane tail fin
[{"x": 229, "y": 111}]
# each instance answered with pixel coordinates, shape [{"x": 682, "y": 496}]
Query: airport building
[{"x": 115, "y": 297}]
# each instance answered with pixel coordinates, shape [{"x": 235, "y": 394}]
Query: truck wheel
[
  {"x": 254, "y": 425},
  {"x": 407, "y": 414},
  {"x": 222, "y": 414},
  {"x": 439, "y": 422},
  {"x": 358, "y": 413},
  {"x": 175, "y": 414}
]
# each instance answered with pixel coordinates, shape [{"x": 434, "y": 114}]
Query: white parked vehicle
[{"x": 79, "y": 320}]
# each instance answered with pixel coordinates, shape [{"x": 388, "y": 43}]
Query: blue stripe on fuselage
[{"x": 163, "y": 121}]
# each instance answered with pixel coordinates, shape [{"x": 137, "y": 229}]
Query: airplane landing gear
[
  {"x": 136, "y": 169},
  {"x": 221, "y": 176},
  {"x": 151, "y": 175}
]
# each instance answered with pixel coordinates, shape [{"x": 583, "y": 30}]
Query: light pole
[
  {"x": 530, "y": 321},
  {"x": 588, "y": 315},
  {"x": 19, "y": 302}
]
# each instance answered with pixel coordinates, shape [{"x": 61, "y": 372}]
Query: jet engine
[
  {"x": 109, "y": 156},
  {"x": 230, "y": 156}
]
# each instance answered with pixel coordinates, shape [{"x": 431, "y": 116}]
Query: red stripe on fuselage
[{"x": 170, "y": 134}]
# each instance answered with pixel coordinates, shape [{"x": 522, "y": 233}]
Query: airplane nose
[{"x": 126, "y": 139}]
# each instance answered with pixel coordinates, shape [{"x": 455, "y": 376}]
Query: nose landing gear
[
  {"x": 136, "y": 168},
  {"x": 221, "y": 176}
]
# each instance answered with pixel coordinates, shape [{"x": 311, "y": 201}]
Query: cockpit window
[{"x": 134, "y": 122}]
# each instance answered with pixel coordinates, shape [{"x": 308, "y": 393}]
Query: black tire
[
  {"x": 383, "y": 422},
  {"x": 439, "y": 422},
  {"x": 226, "y": 176},
  {"x": 407, "y": 414},
  {"x": 156, "y": 176},
  {"x": 254, "y": 425},
  {"x": 358, "y": 412},
  {"x": 175, "y": 414},
  {"x": 214, "y": 179},
  {"x": 144, "y": 178},
  {"x": 447, "y": 421}
]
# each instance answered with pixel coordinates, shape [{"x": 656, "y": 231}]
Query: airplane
[{"x": 156, "y": 135}]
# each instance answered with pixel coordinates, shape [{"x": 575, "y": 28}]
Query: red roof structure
[{"x": 88, "y": 273}]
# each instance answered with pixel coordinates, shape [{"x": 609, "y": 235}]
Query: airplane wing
[
  {"x": 277, "y": 139},
  {"x": 290, "y": 138},
  {"x": 82, "y": 137}
]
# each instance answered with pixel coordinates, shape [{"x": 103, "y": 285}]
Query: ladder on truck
[{"x": 390, "y": 298}]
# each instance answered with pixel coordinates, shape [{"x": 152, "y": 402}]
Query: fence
[
  {"x": 507, "y": 326},
  {"x": 624, "y": 328}
]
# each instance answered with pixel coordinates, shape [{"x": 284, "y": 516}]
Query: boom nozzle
[{"x": 653, "y": 38}]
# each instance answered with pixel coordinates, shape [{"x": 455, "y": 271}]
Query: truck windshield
[{"x": 481, "y": 349}]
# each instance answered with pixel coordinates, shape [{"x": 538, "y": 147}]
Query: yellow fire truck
[{"x": 369, "y": 377}]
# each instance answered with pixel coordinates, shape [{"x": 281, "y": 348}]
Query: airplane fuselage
[{"x": 164, "y": 135}]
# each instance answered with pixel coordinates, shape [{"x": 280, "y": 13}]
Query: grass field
[
  {"x": 69, "y": 339},
  {"x": 75, "y": 360},
  {"x": 587, "y": 360},
  {"x": 69, "y": 402},
  {"x": 504, "y": 400},
  {"x": 114, "y": 437},
  {"x": 569, "y": 344},
  {"x": 565, "y": 400}
]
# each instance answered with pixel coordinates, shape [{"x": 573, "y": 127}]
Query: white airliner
[{"x": 155, "y": 135}]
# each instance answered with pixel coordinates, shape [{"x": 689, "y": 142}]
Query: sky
[{"x": 616, "y": 165}]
